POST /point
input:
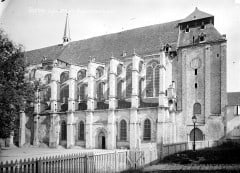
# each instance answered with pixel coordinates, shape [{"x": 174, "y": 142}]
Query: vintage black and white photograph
[{"x": 119, "y": 86}]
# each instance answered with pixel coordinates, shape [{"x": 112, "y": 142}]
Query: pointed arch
[
  {"x": 147, "y": 130},
  {"x": 81, "y": 131},
  {"x": 123, "y": 130},
  {"x": 81, "y": 74},
  {"x": 64, "y": 76}
]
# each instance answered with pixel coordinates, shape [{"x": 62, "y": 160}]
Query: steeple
[{"x": 66, "y": 35}]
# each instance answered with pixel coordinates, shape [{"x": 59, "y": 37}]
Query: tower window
[
  {"x": 202, "y": 25},
  {"x": 187, "y": 29},
  {"x": 217, "y": 55},
  {"x": 195, "y": 71},
  {"x": 195, "y": 85}
]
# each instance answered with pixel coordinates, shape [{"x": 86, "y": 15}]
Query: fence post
[
  {"x": 39, "y": 165},
  {"x": 86, "y": 164}
]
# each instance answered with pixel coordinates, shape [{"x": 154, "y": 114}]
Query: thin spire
[{"x": 66, "y": 35}]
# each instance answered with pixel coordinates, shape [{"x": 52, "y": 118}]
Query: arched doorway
[
  {"x": 101, "y": 140},
  {"x": 198, "y": 135}
]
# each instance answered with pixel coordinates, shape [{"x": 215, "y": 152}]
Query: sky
[{"x": 40, "y": 23}]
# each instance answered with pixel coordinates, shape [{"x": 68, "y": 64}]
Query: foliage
[
  {"x": 227, "y": 153},
  {"x": 16, "y": 93}
]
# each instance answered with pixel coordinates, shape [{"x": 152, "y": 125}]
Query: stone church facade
[{"x": 134, "y": 89}]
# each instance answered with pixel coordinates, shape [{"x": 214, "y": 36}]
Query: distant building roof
[
  {"x": 233, "y": 98},
  {"x": 196, "y": 15}
]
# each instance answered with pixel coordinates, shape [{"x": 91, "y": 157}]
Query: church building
[{"x": 134, "y": 89}]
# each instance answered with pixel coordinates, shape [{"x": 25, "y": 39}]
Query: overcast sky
[{"x": 40, "y": 23}]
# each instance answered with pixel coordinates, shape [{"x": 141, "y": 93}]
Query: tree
[{"x": 16, "y": 93}]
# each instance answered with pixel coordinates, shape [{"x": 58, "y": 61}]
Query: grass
[{"x": 227, "y": 153}]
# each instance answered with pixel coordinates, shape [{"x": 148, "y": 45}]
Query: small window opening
[
  {"x": 195, "y": 71},
  {"x": 195, "y": 85},
  {"x": 187, "y": 29},
  {"x": 202, "y": 25},
  {"x": 217, "y": 55},
  {"x": 193, "y": 39}
]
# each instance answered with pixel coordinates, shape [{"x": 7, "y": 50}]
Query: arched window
[
  {"x": 81, "y": 131},
  {"x": 47, "y": 94},
  {"x": 123, "y": 130},
  {"x": 83, "y": 92},
  {"x": 147, "y": 130},
  {"x": 32, "y": 74},
  {"x": 100, "y": 95},
  {"x": 64, "y": 94},
  {"x": 119, "y": 69},
  {"x": 129, "y": 81},
  {"x": 119, "y": 90},
  {"x": 198, "y": 135},
  {"x": 152, "y": 79},
  {"x": 197, "y": 108},
  {"x": 63, "y": 130},
  {"x": 47, "y": 78},
  {"x": 99, "y": 72},
  {"x": 156, "y": 81},
  {"x": 149, "y": 82},
  {"x": 64, "y": 77},
  {"x": 81, "y": 75}
]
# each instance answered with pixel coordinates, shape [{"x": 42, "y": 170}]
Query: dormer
[{"x": 196, "y": 19}]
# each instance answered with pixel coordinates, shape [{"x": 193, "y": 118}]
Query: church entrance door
[{"x": 101, "y": 141}]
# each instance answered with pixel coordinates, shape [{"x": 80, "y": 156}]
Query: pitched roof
[
  {"x": 144, "y": 40},
  {"x": 233, "y": 98},
  {"x": 210, "y": 33},
  {"x": 196, "y": 15}
]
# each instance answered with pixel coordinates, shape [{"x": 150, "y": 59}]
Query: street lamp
[{"x": 194, "y": 119}]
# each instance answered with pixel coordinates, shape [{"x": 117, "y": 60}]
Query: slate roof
[
  {"x": 233, "y": 98},
  {"x": 196, "y": 15},
  {"x": 144, "y": 40},
  {"x": 210, "y": 32}
]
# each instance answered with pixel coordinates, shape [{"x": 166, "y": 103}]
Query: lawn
[{"x": 227, "y": 153}]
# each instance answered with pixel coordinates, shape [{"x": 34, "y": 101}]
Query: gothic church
[{"x": 133, "y": 89}]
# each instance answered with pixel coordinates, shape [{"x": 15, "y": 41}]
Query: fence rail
[
  {"x": 114, "y": 161},
  {"x": 168, "y": 149}
]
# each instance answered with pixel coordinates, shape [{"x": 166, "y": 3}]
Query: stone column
[
  {"x": 90, "y": 104},
  {"x": 36, "y": 119},
  {"x": 71, "y": 105},
  {"x": 112, "y": 104},
  {"x": 54, "y": 132},
  {"x": 22, "y": 130},
  {"x": 162, "y": 81},
  {"x": 134, "y": 122},
  {"x": 162, "y": 102},
  {"x": 54, "y": 89},
  {"x": 135, "y": 81}
]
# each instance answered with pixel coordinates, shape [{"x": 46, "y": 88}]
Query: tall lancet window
[
  {"x": 129, "y": 81},
  {"x": 119, "y": 90},
  {"x": 100, "y": 95},
  {"x": 152, "y": 79}
]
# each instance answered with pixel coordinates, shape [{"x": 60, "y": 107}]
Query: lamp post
[{"x": 194, "y": 119}]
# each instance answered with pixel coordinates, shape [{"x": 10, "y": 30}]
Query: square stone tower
[{"x": 200, "y": 72}]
